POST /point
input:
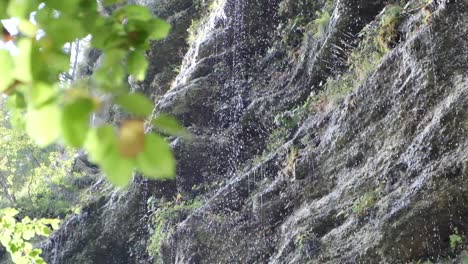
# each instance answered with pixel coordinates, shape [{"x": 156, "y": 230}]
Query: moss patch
[{"x": 166, "y": 215}]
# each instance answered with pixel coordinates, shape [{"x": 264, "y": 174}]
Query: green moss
[
  {"x": 365, "y": 202},
  {"x": 321, "y": 23},
  {"x": 164, "y": 218},
  {"x": 455, "y": 239},
  {"x": 376, "y": 41},
  {"x": 302, "y": 238},
  {"x": 387, "y": 33},
  {"x": 305, "y": 16},
  {"x": 192, "y": 31}
]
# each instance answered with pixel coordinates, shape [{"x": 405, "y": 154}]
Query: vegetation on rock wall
[{"x": 164, "y": 215}]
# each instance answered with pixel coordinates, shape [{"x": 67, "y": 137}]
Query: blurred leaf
[
  {"x": 28, "y": 234},
  {"x": 137, "y": 65},
  {"x": 43, "y": 124},
  {"x": 111, "y": 78},
  {"x": 52, "y": 222},
  {"x": 3, "y": 9},
  {"x": 131, "y": 138},
  {"x": 133, "y": 12},
  {"x": 20, "y": 102},
  {"x": 75, "y": 121},
  {"x": 68, "y": 6},
  {"x": 112, "y": 2},
  {"x": 101, "y": 145},
  {"x": 23, "y": 69},
  {"x": 14, "y": 102},
  {"x": 41, "y": 93},
  {"x": 7, "y": 69},
  {"x": 156, "y": 161},
  {"x": 63, "y": 30},
  {"x": 136, "y": 103},
  {"x": 21, "y": 8},
  {"x": 119, "y": 171},
  {"x": 160, "y": 29},
  {"x": 27, "y": 28},
  {"x": 100, "y": 142},
  {"x": 8, "y": 212},
  {"x": 169, "y": 125}
]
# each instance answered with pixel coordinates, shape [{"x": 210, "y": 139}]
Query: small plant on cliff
[
  {"x": 388, "y": 31},
  {"x": 164, "y": 218},
  {"x": 192, "y": 31},
  {"x": 455, "y": 239},
  {"x": 321, "y": 23},
  {"x": 365, "y": 202},
  {"x": 289, "y": 165}
]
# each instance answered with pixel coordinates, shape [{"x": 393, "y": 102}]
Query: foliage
[
  {"x": 321, "y": 23},
  {"x": 289, "y": 165},
  {"x": 37, "y": 181},
  {"x": 365, "y": 202},
  {"x": 455, "y": 239},
  {"x": 55, "y": 112},
  {"x": 376, "y": 41},
  {"x": 192, "y": 31},
  {"x": 305, "y": 16},
  {"x": 16, "y": 236},
  {"x": 165, "y": 215},
  {"x": 387, "y": 34}
]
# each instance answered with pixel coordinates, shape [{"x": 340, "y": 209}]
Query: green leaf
[
  {"x": 136, "y": 103},
  {"x": 3, "y": 8},
  {"x": 7, "y": 69},
  {"x": 43, "y": 124},
  {"x": 133, "y": 12},
  {"x": 53, "y": 222},
  {"x": 100, "y": 142},
  {"x": 88, "y": 5},
  {"x": 169, "y": 125},
  {"x": 20, "y": 101},
  {"x": 62, "y": 30},
  {"x": 35, "y": 253},
  {"x": 43, "y": 231},
  {"x": 75, "y": 121},
  {"x": 160, "y": 29},
  {"x": 16, "y": 101},
  {"x": 23, "y": 69},
  {"x": 156, "y": 161},
  {"x": 110, "y": 78},
  {"x": 41, "y": 93},
  {"x": 28, "y": 28},
  {"x": 9, "y": 212},
  {"x": 118, "y": 170},
  {"x": 8, "y": 222},
  {"x": 68, "y": 6},
  {"x": 28, "y": 233},
  {"x": 112, "y": 2},
  {"x": 137, "y": 65},
  {"x": 21, "y": 8}
]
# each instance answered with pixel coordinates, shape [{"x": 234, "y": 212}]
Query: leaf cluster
[
  {"x": 51, "y": 111},
  {"x": 15, "y": 235}
]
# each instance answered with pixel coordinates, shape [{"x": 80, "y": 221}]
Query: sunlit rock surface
[{"x": 378, "y": 175}]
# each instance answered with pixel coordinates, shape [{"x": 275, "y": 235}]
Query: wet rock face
[
  {"x": 374, "y": 173},
  {"x": 379, "y": 177}
]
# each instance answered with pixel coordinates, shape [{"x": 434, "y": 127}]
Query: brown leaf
[{"x": 132, "y": 138}]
